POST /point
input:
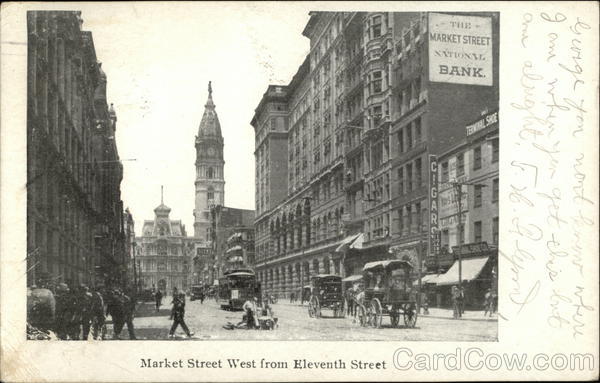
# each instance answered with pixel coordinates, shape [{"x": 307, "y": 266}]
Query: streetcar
[
  {"x": 388, "y": 292},
  {"x": 236, "y": 287},
  {"x": 326, "y": 293}
]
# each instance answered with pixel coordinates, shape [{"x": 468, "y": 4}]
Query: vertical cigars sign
[
  {"x": 460, "y": 49},
  {"x": 434, "y": 244}
]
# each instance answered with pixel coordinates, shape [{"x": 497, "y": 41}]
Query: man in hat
[
  {"x": 129, "y": 312},
  {"x": 117, "y": 312},
  {"x": 178, "y": 314},
  {"x": 97, "y": 314},
  {"x": 62, "y": 304},
  {"x": 84, "y": 306}
]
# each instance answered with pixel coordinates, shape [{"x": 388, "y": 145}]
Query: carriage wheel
[
  {"x": 311, "y": 309},
  {"x": 376, "y": 313},
  {"x": 410, "y": 315},
  {"x": 361, "y": 312}
]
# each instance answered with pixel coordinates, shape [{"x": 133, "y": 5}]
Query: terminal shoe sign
[{"x": 460, "y": 49}]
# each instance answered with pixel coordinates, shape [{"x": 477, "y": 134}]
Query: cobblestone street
[{"x": 206, "y": 321}]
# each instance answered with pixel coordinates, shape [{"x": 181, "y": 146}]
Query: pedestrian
[
  {"x": 97, "y": 313},
  {"x": 85, "y": 309},
  {"x": 292, "y": 296},
  {"x": 62, "y": 311},
  {"x": 178, "y": 314},
  {"x": 158, "y": 299},
  {"x": 74, "y": 309},
  {"x": 117, "y": 312},
  {"x": 350, "y": 300},
  {"x": 267, "y": 319},
  {"x": 250, "y": 313},
  {"x": 129, "y": 312},
  {"x": 202, "y": 296},
  {"x": 461, "y": 301},
  {"x": 487, "y": 302},
  {"x": 455, "y": 307}
]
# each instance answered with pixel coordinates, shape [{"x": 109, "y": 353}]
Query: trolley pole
[{"x": 420, "y": 272}]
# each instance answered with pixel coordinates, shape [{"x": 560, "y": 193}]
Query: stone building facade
[
  {"x": 75, "y": 230},
  {"x": 361, "y": 118},
  {"x": 164, "y": 256},
  {"x": 210, "y": 179}
]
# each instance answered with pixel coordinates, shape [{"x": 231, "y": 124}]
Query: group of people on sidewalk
[{"x": 72, "y": 312}]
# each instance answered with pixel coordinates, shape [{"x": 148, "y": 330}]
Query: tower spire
[
  {"x": 209, "y": 101},
  {"x": 161, "y": 195}
]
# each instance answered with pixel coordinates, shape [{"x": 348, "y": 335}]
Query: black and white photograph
[
  {"x": 301, "y": 178},
  {"x": 375, "y": 182}
]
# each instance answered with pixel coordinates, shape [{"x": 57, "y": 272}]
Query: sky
[{"x": 158, "y": 61}]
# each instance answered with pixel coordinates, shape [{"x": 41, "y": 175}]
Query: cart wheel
[
  {"x": 376, "y": 313},
  {"x": 361, "y": 312},
  {"x": 410, "y": 315},
  {"x": 394, "y": 318},
  {"x": 311, "y": 309},
  {"x": 317, "y": 308}
]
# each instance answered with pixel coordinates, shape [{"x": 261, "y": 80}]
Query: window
[
  {"x": 495, "y": 150},
  {"x": 460, "y": 164},
  {"x": 401, "y": 181},
  {"x": 495, "y": 230},
  {"x": 418, "y": 173},
  {"x": 376, "y": 84},
  {"x": 477, "y": 231},
  {"x": 495, "y": 190},
  {"x": 477, "y": 158},
  {"x": 445, "y": 240},
  {"x": 409, "y": 183},
  {"x": 409, "y": 141},
  {"x": 418, "y": 136},
  {"x": 400, "y": 136},
  {"x": 445, "y": 171},
  {"x": 376, "y": 27},
  {"x": 210, "y": 172},
  {"x": 478, "y": 193}
]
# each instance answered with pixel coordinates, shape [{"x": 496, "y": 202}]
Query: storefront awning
[
  {"x": 346, "y": 242},
  {"x": 235, "y": 248},
  {"x": 471, "y": 268},
  {"x": 358, "y": 242},
  {"x": 352, "y": 278},
  {"x": 429, "y": 278}
]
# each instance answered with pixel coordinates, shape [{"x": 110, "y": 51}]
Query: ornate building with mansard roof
[{"x": 163, "y": 258}]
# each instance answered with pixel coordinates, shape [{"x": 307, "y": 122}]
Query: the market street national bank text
[{"x": 301, "y": 364}]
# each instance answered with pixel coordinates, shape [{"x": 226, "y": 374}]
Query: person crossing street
[{"x": 178, "y": 314}]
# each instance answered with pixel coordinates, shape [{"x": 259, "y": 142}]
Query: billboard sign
[
  {"x": 434, "y": 242},
  {"x": 460, "y": 49}
]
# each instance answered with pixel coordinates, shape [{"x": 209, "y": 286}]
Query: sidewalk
[
  {"x": 471, "y": 315},
  {"x": 434, "y": 312}
]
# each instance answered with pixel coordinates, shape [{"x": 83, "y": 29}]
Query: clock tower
[{"x": 210, "y": 182}]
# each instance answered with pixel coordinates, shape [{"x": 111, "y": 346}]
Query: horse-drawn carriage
[
  {"x": 388, "y": 291},
  {"x": 326, "y": 293}
]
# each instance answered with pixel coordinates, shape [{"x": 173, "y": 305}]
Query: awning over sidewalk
[
  {"x": 429, "y": 278},
  {"x": 235, "y": 248},
  {"x": 346, "y": 242},
  {"x": 352, "y": 278},
  {"x": 471, "y": 268},
  {"x": 358, "y": 242}
]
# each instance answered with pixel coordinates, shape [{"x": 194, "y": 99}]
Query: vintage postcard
[{"x": 302, "y": 191}]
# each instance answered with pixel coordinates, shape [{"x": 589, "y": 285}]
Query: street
[{"x": 206, "y": 321}]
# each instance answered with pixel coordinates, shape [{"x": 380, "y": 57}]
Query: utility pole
[{"x": 458, "y": 186}]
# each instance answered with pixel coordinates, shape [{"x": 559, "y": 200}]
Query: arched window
[
  {"x": 210, "y": 194},
  {"x": 210, "y": 173}
]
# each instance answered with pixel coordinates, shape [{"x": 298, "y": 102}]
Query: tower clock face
[{"x": 211, "y": 151}]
